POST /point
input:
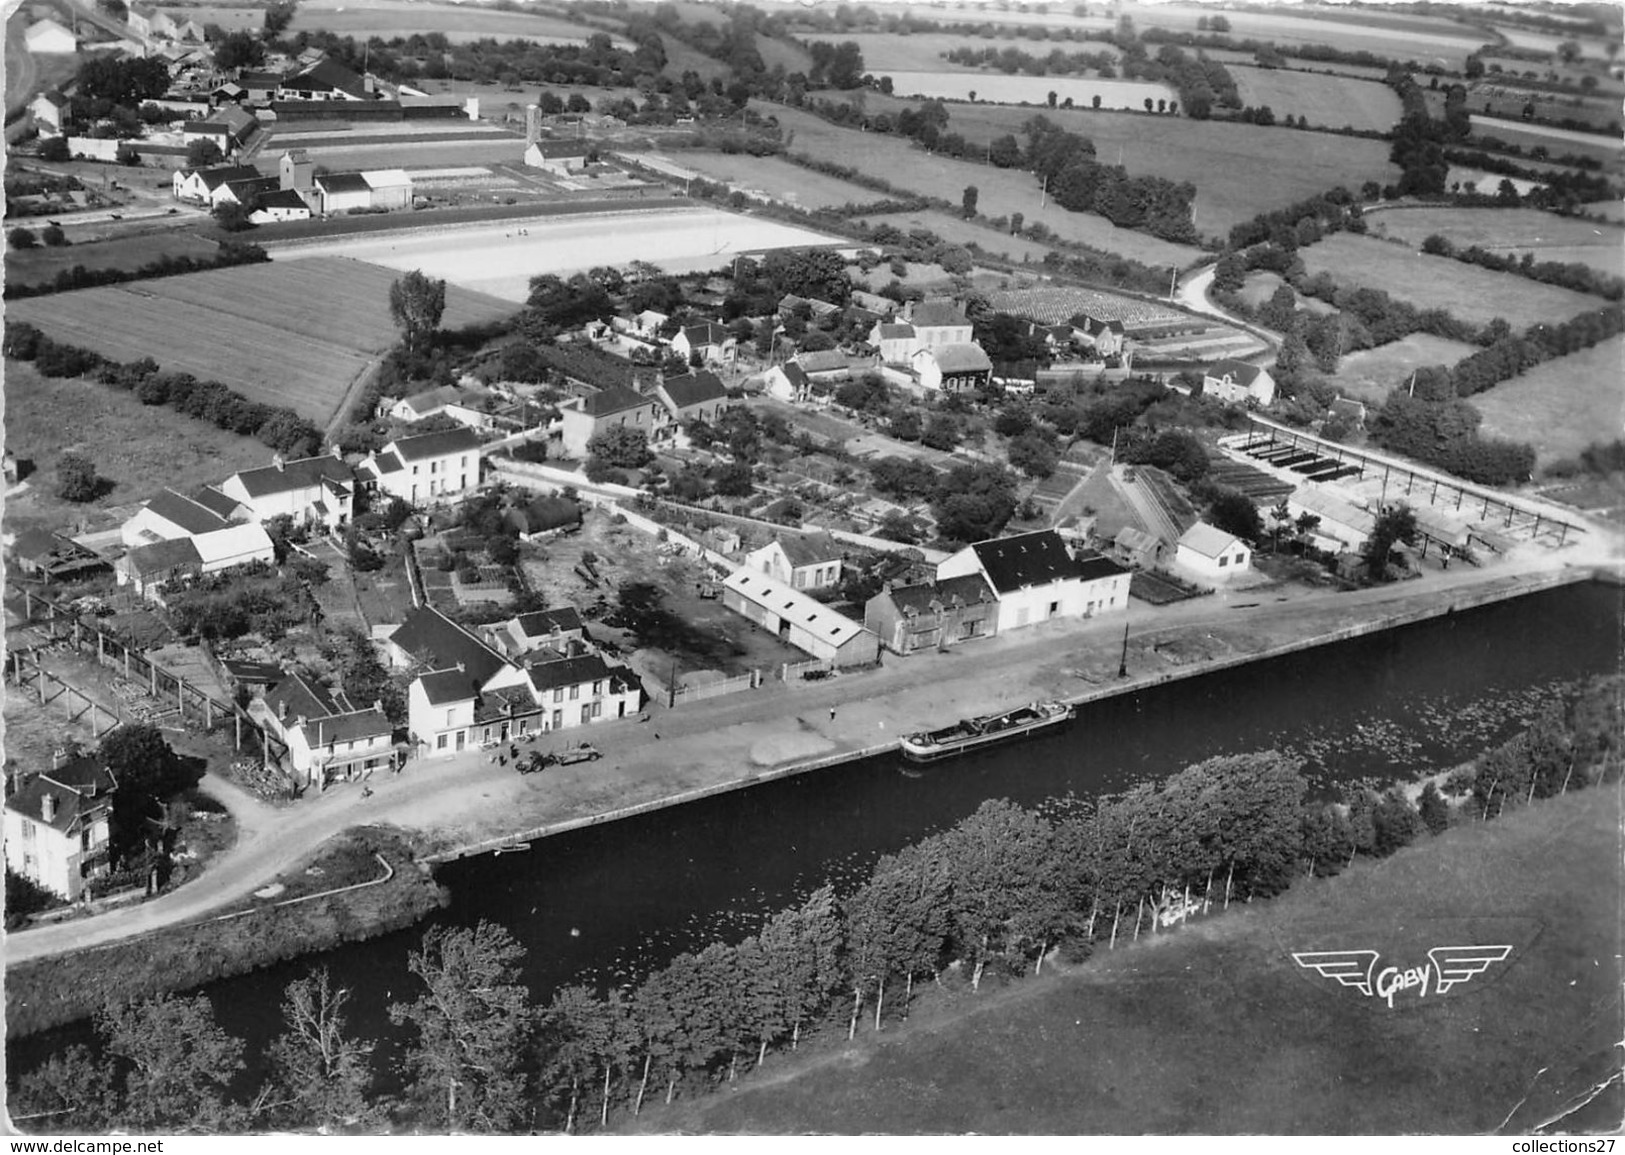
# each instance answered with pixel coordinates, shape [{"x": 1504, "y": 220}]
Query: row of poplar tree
[{"x": 994, "y": 895}]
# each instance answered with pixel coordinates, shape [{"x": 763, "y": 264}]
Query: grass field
[
  {"x": 1328, "y": 101},
  {"x": 1471, "y": 293},
  {"x": 778, "y": 179},
  {"x": 1214, "y": 1029},
  {"x": 1559, "y": 141},
  {"x": 1260, "y": 287},
  {"x": 289, "y": 333},
  {"x": 997, "y": 88},
  {"x": 139, "y": 448},
  {"x": 1562, "y": 406},
  {"x": 1002, "y": 191},
  {"x": 1549, "y": 237},
  {"x": 33, "y": 266},
  {"x": 923, "y": 51},
  {"x": 1223, "y": 161},
  {"x": 962, "y": 232},
  {"x": 459, "y": 22},
  {"x": 1371, "y": 374}
]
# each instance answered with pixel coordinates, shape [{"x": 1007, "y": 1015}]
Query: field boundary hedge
[{"x": 231, "y": 254}]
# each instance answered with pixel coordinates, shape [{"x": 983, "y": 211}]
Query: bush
[
  {"x": 76, "y": 478},
  {"x": 22, "y": 238},
  {"x": 53, "y": 236}
]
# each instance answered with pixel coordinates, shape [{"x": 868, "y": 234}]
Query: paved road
[
  {"x": 1192, "y": 294},
  {"x": 21, "y": 71},
  {"x": 711, "y": 746}
]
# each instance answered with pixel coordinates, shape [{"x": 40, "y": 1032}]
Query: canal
[{"x": 606, "y": 904}]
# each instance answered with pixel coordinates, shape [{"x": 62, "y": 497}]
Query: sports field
[
  {"x": 1562, "y": 406},
  {"x": 293, "y": 333},
  {"x": 1515, "y": 231},
  {"x": 1001, "y": 191},
  {"x": 1371, "y": 374},
  {"x": 1226, "y": 162},
  {"x": 1469, "y": 292},
  {"x": 499, "y": 260},
  {"x": 1215, "y": 1029},
  {"x": 1328, "y": 101}
]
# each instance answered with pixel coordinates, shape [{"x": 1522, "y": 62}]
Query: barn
[{"x": 799, "y": 620}]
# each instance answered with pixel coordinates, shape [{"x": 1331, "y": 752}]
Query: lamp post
[{"x": 1122, "y": 663}]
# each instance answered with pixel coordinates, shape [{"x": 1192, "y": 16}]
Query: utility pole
[
  {"x": 1173, "y": 279},
  {"x": 1043, "y": 192},
  {"x": 1122, "y": 663}
]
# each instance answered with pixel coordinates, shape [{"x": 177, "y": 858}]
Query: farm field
[
  {"x": 293, "y": 333},
  {"x": 1549, "y": 237},
  {"x": 1558, "y": 140},
  {"x": 1260, "y": 287},
  {"x": 1002, "y": 191},
  {"x": 1201, "y": 1032},
  {"x": 1487, "y": 182},
  {"x": 778, "y": 179},
  {"x": 1561, "y": 406},
  {"x": 1469, "y": 292},
  {"x": 962, "y": 232},
  {"x": 491, "y": 259},
  {"x": 1230, "y": 57},
  {"x": 1371, "y": 374},
  {"x": 1222, "y": 160},
  {"x": 1506, "y": 100},
  {"x": 34, "y": 266},
  {"x": 774, "y": 52},
  {"x": 139, "y": 448},
  {"x": 997, "y": 88},
  {"x": 458, "y": 22},
  {"x": 1328, "y": 101},
  {"x": 1519, "y": 37},
  {"x": 883, "y": 53}
]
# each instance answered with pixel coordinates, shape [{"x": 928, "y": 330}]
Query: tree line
[
  {"x": 275, "y": 425},
  {"x": 997, "y": 894},
  {"x": 1576, "y": 275},
  {"x": 79, "y": 277}
]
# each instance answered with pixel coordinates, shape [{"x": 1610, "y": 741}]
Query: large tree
[
  {"x": 320, "y": 1074},
  {"x": 76, "y": 478},
  {"x": 177, "y": 1065},
  {"x": 622, "y": 446},
  {"x": 417, "y": 302},
  {"x": 149, "y": 774},
  {"x": 1394, "y": 526},
  {"x": 473, "y": 1021}
]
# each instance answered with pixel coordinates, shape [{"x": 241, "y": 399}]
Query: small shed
[{"x": 1211, "y": 554}]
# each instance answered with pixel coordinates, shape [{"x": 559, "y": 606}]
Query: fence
[
  {"x": 716, "y": 689},
  {"x": 794, "y": 672}
]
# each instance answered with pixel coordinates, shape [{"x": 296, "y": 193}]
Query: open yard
[
  {"x": 1562, "y": 406},
  {"x": 139, "y": 448},
  {"x": 458, "y": 22},
  {"x": 290, "y": 333},
  {"x": 1002, "y": 191},
  {"x": 493, "y": 259},
  {"x": 42, "y": 264},
  {"x": 1224, "y": 161},
  {"x": 1469, "y": 292},
  {"x": 1371, "y": 374},
  {"x": 1517, "y": 231},
  {"x": 1214, "y": 1029},
  {"x": 1328, "y": 101}
]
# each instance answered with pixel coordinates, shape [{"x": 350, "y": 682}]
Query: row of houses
[
  {"x": 660, "y": 413},
  {"x": 297, "y": 192}
]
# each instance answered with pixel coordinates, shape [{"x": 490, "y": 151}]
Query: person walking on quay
[{"x": 832, "y": 713}]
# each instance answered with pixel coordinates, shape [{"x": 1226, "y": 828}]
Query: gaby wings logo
[{"x": 1447, "y": 967}]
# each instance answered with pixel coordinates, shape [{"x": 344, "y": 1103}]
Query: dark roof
[
  {"x": 55, "y": 97},
  {"x": 213, "y": 178},
  {"x": 796, "y": 375},
  {"x": 966, "y": 589},
  {"x": 615, "y": 399},
  {"x": 810, "y": 549},
  {"x": 961, "y": 357},
  {"x": 343, "y": 182},
  {"x": 937, "y": 314},
  {"x": 890, "y": 331},
  {"x": 214, "y": 501},
  {"x": 254, "y": 187},
  {"x": 305, "y": 473},
  {"x": 1244, "y": 373},
  {"x": 346, "y": 727},
  {"x": 444, "y": 686},
  {"x": 246, "y": 671},
  {"x": 258, "y": 79},
  {"x": 81, "y": 788},
  {"x": 1095, "y": 565},
  {"x": 281, "y": 198},
  {"x": 303, "y": 699},
  {"x": 708, "y": 333},
  {"x": 548, "y": 511},
  {"x": 1028, "y": 559},
  {"x": 695, "y": 389},
  {"x": 535, "y": 625},
  {"x": 427, "y": 629},
  {"x": 327, "y": 75},
  {"x": 427, "y": 445},
  {"x": 162, "y": 556},
  {"x": 190, "y": 515},
  {"x": 563, "y": 148},
  {"x": 824, "y": 361},
  {"x": 387, "y": 462},
  {"x": 568, "y": 672}
]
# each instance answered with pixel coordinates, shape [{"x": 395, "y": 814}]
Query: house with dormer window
[
  {"x": 59, "y": 825},
  {"x": 933, "y": 615}
]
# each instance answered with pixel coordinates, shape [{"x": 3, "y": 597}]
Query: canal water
[{"x": 607, "y": 904}]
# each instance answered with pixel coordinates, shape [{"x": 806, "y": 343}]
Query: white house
[
  {"x": 560, "y": 157},
  {"x": 199, "y": 184},
  {"x": 787, "y": 382},
  {"x": 47, "y": 37},
  {"x": 49, "y": 108},
  {"x": 314, "y": 490},
  {"x": 279, "y": 205},
  {"x": 953, "y": 368},
  {"x": 937, "y": 322},
  {"x": 429, "y": 467},
  {"x": 711, "y": 341},
  {"x": 1210, "y": 554},
  {"x": 1037, "y": 578},
  {"x": 168, "y": 516},
  {"x": 895, "y": 341},
  {"x": 700, "y": 395},
  {"x": 647, "y": 323},
  {"x": 1239, "y": 383},
  {"x": 802, "y": 561},
  {"x": 1105, "y": 337},
  {"x": 327, "y": 737},
  {"x": 609, "y": 408},
  {"x": 58, "y": 826}
]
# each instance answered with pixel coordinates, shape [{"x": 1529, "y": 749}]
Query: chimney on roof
[
  {"x": 335, "y": 451},
  {"x": 299, "y": 720},
  {"x": 378, "y": 705},
  {"x": 59, "y": 757},
  {"x": 461, "y": 668},
  {"x": 47, "y": 807},
  {"x": 282, "y": 711},
  {"x": 277, "y": 463}
]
